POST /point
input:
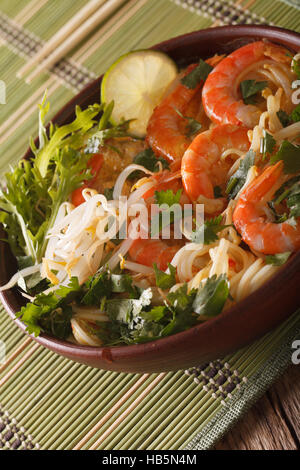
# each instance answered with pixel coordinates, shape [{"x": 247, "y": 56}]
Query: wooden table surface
[{"x": 273, "y": 423}]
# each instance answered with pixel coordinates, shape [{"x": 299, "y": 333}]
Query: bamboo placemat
[{"x": 46, "y": 401}]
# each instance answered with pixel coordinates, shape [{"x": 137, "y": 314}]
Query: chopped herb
[
  {"x": 290, "y": 154},
  {"x": 167, "y": 197},
  {"x": 296, "y": 67},
  {"x": 207, "y": 232},
  {"x": 198, "y": 74},
  {"x": 211, "y": 296},
  {"x": 193, "y": 127},
  {"x": 238, "y": 179},
  {"x": 267, "y": 144},
  {"x": 51, "y": 312},
  {"x": 293, "y": 200},
  {"x": 98, "y": 286},
  {"x": 296, "y": 114},
  {"x": 284, "y": 118},
  {"x": 165, "y": 280},
  {"x": 278, "y": 259},
  {"x": 149, "y": 160},
  {"x": 217, "y": 192},
  {"x": 108, "y": 193},
  {"x": 106, "y": 131},
  {"x": 289, "y": 192},
  {"x": 167, "y": 201},
  {"x": 249, "y": 90}
]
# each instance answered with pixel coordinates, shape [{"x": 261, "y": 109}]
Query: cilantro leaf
[
  {"x": 238, "y": 179},
  {"x": 296, "y": 114},
  {"x": 149, "y": 160},
  {"x": 167, "y": 197},
  {"x": 283, "y": 117},
  {"x": 293, "y": 200},
  {"x": 108, "y": 193},
  {"x": 217, "y": 192},
  {"x": 199, "y": 73},
  {"x": 192, "y": 127},
  {"x": 267, "y": 144},
  {"x": 249, "y": 90},
  {"x": 296, "y": 67},
  {"x": 289, "y": 192},
  {"x": 127, "y": 311},
  {"x": 181, "y": 300},
  {"x": 207, "y": 232},
  {"x": 165, "y": 280},
  {"x": 279, "y": 259},
  {"x": 290, "y": 154},
  {"x": 167, "y": 201},
  {"x": 51, "y": 312},
  {"x": 211, "y": 296},
  {"x": 98, "y": 286}
]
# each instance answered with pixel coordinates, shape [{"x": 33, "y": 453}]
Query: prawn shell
[{"x": 220, "y": 95}]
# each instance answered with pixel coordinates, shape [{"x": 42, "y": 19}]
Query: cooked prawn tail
[{"x": 264, "y": 183}]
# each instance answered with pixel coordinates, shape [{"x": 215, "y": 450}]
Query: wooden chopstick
[
  {"x": 61, "y": 35},
  {"x": 83, "y": 30}
]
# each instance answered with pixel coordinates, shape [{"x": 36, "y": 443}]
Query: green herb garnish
[
  {"x": 149, "y": 160},
  {"x": 284, "y": 118},
  {"x": 238, "y": 179},
  {"x": 168, "y": 202},
  {"x": 267, "y": 144},
  {"x": 290, "y": 155},
  {"x": 210, "y": 299},
  {"x": 165, "y": 280},
  {"x": 249, "y": 90},
  {"x": 278, "y": 259},
  {"x": 192, "y": 127},
  {"x": 198, "y": 74},
  {"x": 207, "y": 232}
]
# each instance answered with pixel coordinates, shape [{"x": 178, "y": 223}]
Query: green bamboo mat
[{"x": 46, "y": 401}]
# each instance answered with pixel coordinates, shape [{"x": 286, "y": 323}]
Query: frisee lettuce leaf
[
  {"x": 34, "y": 190},
  {"x": 59, "y": 137}
]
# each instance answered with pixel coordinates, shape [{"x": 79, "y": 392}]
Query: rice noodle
[
  {"x": 23, "y": 273},
  {"x": 123, "y": 177}
]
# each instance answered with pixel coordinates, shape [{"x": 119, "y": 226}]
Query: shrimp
[
  {"x": 250, "y": 217},
  {"x": 165, "y": 131},
  {"x": 220, "y": 95},
  {"x": 167, "y": 180},
  {"x": 202, "y": 167},
  {"x": 148, "y": 252}
]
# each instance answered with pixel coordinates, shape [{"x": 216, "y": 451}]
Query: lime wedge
[{"x": 136, "y": 82}]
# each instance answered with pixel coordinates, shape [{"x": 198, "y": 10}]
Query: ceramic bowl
[{"x": 251, "y": 318}]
